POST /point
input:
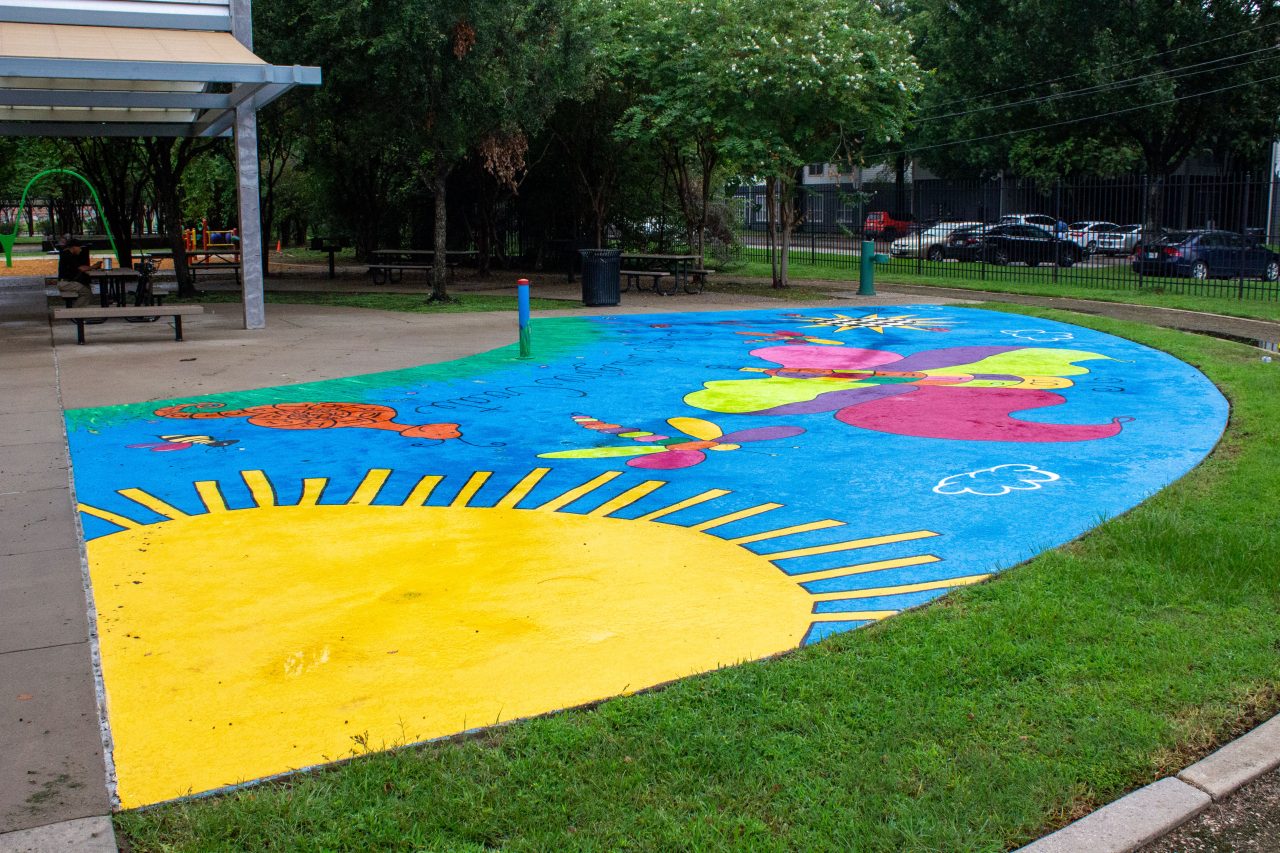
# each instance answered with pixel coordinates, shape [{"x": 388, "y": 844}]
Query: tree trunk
[{"x": 439, "y": 266}]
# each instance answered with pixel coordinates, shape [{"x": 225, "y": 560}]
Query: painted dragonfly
[{"x": 666, "y": 452}]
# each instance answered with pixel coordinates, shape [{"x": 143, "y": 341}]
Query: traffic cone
[{"x": 277, "y": 245}]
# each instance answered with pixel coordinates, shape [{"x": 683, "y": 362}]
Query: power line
[
  {"x": 1164, "y": 74},
  {"x": 1110, "y": 65},
  {"x": 1175, "y": 99}
]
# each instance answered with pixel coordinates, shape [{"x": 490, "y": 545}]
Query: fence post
[
  {"x": 1244, "y": 232},
  {"x": 915, "y": 208}
]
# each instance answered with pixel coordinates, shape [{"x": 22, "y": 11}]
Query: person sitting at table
[{"x": 74, "y": 263}]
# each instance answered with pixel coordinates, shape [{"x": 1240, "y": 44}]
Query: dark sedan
[
  {"x": 1005, "y": 244},
  {"x": 1207, "y": 254}
]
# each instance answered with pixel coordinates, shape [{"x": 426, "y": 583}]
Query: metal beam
[
  {"x": 89, "y": 128},
  {"x": 184, "y": 72},
  {"x": 115, "y": 98},
  {"x": 212, "y": 21}
]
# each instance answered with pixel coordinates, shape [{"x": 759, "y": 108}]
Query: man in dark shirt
[{"x": 74, "y": 264}]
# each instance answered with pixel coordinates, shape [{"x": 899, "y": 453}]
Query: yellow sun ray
[
  {"x": 709, "y": 495},
  {"x": 260, "y": 487},
  {"x": 856, "y": 616},
  {"x": 627, "y": 498},
  {"x": 898, "y": 590},
  {"x": 735, "y": 516},
  {"x": 369, "y": 487},
  {"x": 863, "y": 568},
  {"x": 851, "y": 545},
  {"x": 469, "y": 489},
  {"x": 312, "y": 489},
  {"x": 560, "y": 502},
  {"x": 211, "y": 496},
  {"x": 421, "y": 492},
  {"x": 152, "y": 503},
  {"x": 787, "y": 531},
  {"x": 521, "y": 489},
  {"x": 114, "y": 518}
]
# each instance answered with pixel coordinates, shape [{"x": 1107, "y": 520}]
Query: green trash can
[{"x": 601, "y": 275}]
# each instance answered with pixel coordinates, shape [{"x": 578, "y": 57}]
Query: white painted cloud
[
  {"x": 1040, "y": 336},
  {"x": 993, "y": 482}
]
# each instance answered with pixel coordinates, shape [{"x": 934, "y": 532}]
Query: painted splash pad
[{"x": 289, "y": 576}]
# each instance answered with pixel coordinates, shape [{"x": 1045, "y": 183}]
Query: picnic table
[
  {"x": 683, "y": 271},
  {"x": 113, "y": 284},
  {"x": 388, "y": 265}
]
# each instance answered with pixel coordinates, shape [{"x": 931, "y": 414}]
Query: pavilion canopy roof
[{"x": 72, "y": 80}]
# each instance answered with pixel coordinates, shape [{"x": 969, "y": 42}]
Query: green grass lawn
[
  {"x": 974, "y": 724},
  {"x": 411, "y": 302},
  {"x": 1112, "y": 284}
]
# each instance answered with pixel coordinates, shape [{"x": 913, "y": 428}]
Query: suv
[
  {"x": 1207, "y": 254},
  {"x": 880, "y": 225}
]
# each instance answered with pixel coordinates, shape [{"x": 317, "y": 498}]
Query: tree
[
  {"x": 1142, "y": 84},
  {"x": 414, "y": 87},
  {"x": 809, "y": 81}
]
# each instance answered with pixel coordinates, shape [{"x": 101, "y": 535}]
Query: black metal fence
[{"x": 1209, "y": 235}]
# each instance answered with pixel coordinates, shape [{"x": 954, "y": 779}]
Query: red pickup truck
[{"x": 880, "y": 225}]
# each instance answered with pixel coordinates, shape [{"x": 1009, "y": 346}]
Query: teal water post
[
  {"x": 522, "y": 302},
  {"x": 866, "y": 272}
]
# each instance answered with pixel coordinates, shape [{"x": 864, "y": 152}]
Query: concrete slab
[
  {"x": 51, "y": 765},
  {"x": 1237, "y": 763},
  {"x": 32, "y": 398},
  {"x": 86, "y": 835},
  {"x": 26, "y": 377},
  {"x": 1129, "y": 822},
  {"x": 37, "y": 521},
  {"x": 21, "y": 428},
  {"x": 44, "y": 600},
  {"x": 29, "y": 467}
]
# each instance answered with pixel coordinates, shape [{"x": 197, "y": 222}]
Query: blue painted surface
[{"x": 636, "y": 370}]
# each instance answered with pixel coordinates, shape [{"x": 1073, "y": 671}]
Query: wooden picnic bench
[
  {"x": 384, "y": 264},
  {"x": 139, "y": 312},
  {"x": 635, "y": 277}
]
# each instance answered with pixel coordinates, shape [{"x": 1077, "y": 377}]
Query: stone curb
[
  {"x": 84, "y": 835},
  {"x": 1152, "y": 812}
]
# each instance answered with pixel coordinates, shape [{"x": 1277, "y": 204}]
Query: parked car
[
  {"x": 880, "y": 225},
  {"x": 1006, "y": 244},
  {"x": 929, "y": 243},
  {"x": 1207, "y": 254},
  {"x": 1119, "y": 241},
  {"x": 1039, "y": 219},
  {"x": 1086, "y": 234},
  {"x": 964, "y": 244}
]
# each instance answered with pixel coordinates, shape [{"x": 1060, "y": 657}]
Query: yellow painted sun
[{"x": 243, "y": 643}]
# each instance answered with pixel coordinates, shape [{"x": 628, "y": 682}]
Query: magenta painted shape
[
  {"x": 830, "y": 358},
  {"x": 669, "y": 459},
  {"x": 971, "y": 414}
]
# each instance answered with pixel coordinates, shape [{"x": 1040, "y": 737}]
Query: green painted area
[
  {"x": 731, "y": 396},
  {"x": 555, "y": 335},
  {"x": 1031, "y": 362}
]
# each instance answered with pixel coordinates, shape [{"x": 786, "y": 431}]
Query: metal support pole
[
  {"x": 522, "y": 301},
  {"x": 246, "y": 142}
]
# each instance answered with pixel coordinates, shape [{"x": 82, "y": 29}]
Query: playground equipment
[
  {"x": 7, "y": 240},
  {"x": 212, "y": 243}
]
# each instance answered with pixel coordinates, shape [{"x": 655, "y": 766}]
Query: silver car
[
  {"x": 928, "y": 243},
  {"x": 1119, "y": 241}
]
